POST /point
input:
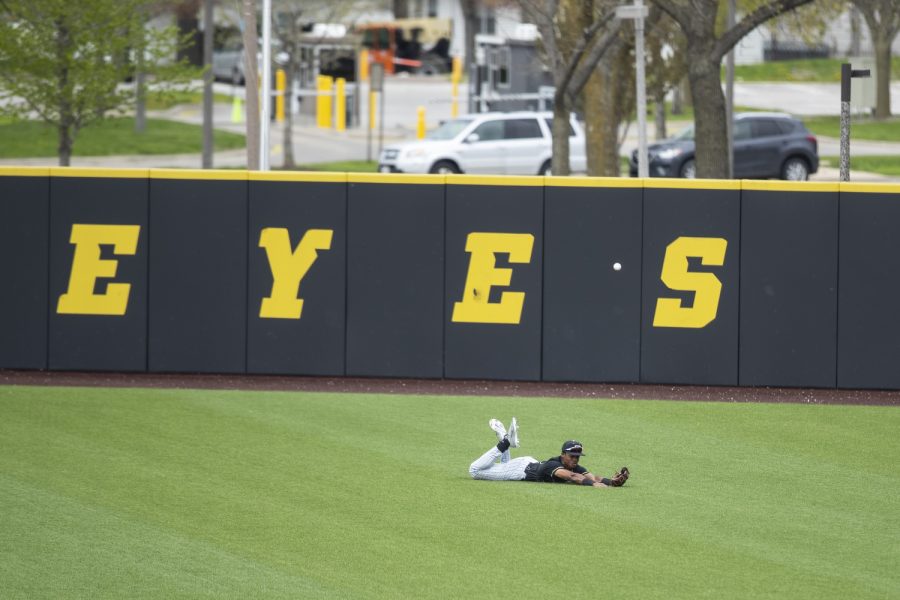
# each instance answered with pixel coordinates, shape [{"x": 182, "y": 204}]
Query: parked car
[
  {"x": 515, "y": 143},
  {"x": 766, "y": 145}
]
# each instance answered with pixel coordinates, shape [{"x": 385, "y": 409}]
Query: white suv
[{"x": 515, "y": 143}]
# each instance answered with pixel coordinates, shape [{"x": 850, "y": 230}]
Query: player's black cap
[{"x": 573, "y": 447}]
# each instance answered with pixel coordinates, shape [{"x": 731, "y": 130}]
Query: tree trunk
[
  {"x": 660, "y": 112},
  {"x": 677, "y": 100},
  {"x": 883, "y": 76},
  {"x": 64, "y": 127},
  {"x": 64, "y": 145},
  {"x": 855, "y": 27},
  {"x": 560, "y": 162},
  {"x": 709, "y": 101},
  {"x": 601, "y": 124},
  {"x": 251, "y": 83},
  {"x": 288, "y": 140},
  {"x": 140, "y": 84}
]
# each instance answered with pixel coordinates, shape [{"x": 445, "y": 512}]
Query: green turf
[
  {"x": 806, "y": 70},
  {"x": 114, "y": 136},
  {"x": 343, "y": 166},
  {"x": 112, "y": 493},
  {"x": 885, "y": 165},
  {"x": 861, "y": 128},
  {"x": 171, "y": 99}
]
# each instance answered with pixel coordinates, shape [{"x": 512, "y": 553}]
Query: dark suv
[{"x": 766, "y": 145}]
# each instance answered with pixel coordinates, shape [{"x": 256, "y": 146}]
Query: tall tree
[
  {"x": 572, "y": 53},
  {"x": 65, "y": 62},
  {"x": 608, "y": 98},
  {"x": 883, "y": 19},
  {"x": 698, "y": 20}
]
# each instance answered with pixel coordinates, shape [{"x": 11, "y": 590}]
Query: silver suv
[{"x": 515, "y": 143}]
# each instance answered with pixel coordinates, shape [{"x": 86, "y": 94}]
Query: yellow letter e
[
  {"x": 483, "y": 275},
  {"x": 87, "y": 267}
]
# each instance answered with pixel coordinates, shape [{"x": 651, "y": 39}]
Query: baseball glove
[{"x": 619, "y": 479}]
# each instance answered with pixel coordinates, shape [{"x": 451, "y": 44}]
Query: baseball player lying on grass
[{"x": 559, "y": 469}]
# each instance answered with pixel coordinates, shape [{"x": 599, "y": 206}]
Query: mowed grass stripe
[{"x": 186, "y": 493}]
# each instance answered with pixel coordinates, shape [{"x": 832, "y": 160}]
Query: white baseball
[{"x": 617, "y": 266}]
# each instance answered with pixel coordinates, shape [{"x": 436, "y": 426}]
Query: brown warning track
[{"x": 452, "y": 387}]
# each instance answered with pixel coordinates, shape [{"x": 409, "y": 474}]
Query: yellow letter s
[{"x": 706, "y": 287}]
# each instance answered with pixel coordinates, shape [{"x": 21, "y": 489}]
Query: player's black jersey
[{"x": 545, "y": 471}]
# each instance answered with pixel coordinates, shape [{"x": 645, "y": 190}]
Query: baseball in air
[{"x": 617, "y": 266}]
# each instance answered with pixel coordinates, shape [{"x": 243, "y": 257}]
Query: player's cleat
[
  {"x": 513, "y": 433},
  {"x": 499, "y": 428}
]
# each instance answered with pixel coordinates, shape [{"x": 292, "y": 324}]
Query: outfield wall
[{"x": 751, "y": 283}]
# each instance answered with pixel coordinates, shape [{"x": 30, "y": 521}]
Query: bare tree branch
[{"x": 750, "y": 22}]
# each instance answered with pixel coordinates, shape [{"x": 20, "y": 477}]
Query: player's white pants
[{"x": 507, "y": 469}]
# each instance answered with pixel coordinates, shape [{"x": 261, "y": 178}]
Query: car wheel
[
  {"x": 444, "y": 167},
  {"x": 688, "y": 169},
  {"x": 237, "y": 78},
  {"x": 795, "y": 169},
  {"x": 546, "y": 168}
]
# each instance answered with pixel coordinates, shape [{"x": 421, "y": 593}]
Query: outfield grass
[
  {"x": 885, "y": 165},
  {"x": 111, "y": 493},
  {"x": 114, "y": 136}
]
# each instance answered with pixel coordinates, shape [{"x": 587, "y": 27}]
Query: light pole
[
  {"x": 729, "y": 94},
  {"x": 639, "y": 12},
  {"x": 266, "y": 95}
]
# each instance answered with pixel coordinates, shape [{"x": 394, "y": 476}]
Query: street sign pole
[{"x": 847, "y": 74}]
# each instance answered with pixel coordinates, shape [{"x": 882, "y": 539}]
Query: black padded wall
[
  {"x": 494, "y": 248},
  {"x": 690, "y": 324},
  {"x": 24, "y": 264},
  {"x": 98, "y": 271},
  {"x": 592, "y": 281},
  {"x": 297, "y": 229}
]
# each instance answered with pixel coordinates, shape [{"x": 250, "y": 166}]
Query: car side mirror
[{"x": 472, "y": 138}]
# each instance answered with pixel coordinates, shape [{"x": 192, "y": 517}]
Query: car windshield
[
  {"x": 448, "y": 129},
  {"x": 685, "y": 134}
]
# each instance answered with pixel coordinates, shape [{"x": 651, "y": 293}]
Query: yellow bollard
[
  {"x": 323, "y": 101},
  {"x": 340, "y": 104},
  {"x": 455, "y": 76},
  {"x": 363, "y": 65},
  {"x": 454, "y": 100},
  {"x": 372, "y": 110},
  {"x": 420, "y": 123},
  {"x": 280, "y": 85},
  {"x": 237, "y": 111},
  {"x": 456, "y": 72}
]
